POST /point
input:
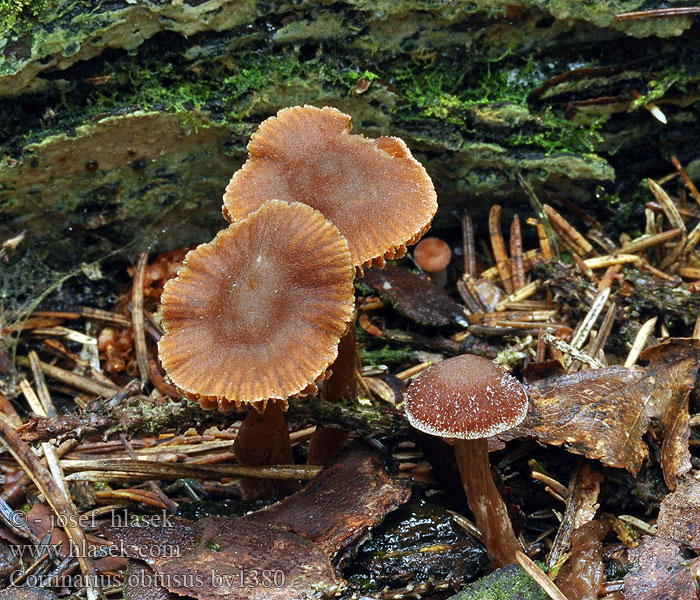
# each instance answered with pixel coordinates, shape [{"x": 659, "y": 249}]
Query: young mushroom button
[
  {"x": 470, "y": 399},
  {"x": 433, "y": 255}
]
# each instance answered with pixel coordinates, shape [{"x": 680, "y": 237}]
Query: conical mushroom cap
[
  {"x": 465, "y": 397},
  {"x": 380, "y": 197},
  {"x": 256, "y": 314}
]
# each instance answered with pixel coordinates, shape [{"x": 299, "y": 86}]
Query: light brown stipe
[
  {"x": 380, "y": 198},
  {"x": 256, "y": 314}
]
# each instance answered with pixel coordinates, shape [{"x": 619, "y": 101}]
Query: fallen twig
[{"x": 54, "y": 495}]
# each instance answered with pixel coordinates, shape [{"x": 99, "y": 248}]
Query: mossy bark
[{"x": 121, "y": 122}]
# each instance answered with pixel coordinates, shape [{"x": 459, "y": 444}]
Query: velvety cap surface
[
  {"x": 466, "y": 397},
  {"x": 380, "y": 198},
  {"x": 257, "y": 313}
]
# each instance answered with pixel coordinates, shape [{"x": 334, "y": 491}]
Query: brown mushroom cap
[
  {"x": 380, "y": 198},
  {"x": 432, "y": 254},
  {"x": 257, "y": 313},
  {"x": 465, "y": 397}
]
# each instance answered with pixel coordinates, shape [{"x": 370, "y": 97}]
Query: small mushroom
[
  {"x": 433, "y": 255},
  {"x": 380, "y": 197},
  {"x": 469, "y": 398},
  {"x": 255, "y": 316}
]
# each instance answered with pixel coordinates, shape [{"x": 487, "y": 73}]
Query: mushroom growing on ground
[
  {"x": 433, "y": 255},
  {"x": 380, "y": 198},
  {"x": 255, "y": 316},
  {"x": 469, "y": 398}
]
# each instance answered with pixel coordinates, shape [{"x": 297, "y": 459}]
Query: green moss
[
  {"x": 227, "y": 91},
  {"x": 260, "y": 72},
  {"x": 442, "y": 89},
  {"x": 658, "y": 87},
  {"x": 484, "y": 99},
  {"x": 18, "y": 16},
  {"x": 385, "y": 355},
  {"x": 556, "y": 135},
  {"x": 508, "y": 583},
  {"x": 351, "y": 78}
]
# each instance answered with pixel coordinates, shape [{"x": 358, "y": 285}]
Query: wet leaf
[
  {"x": 660, "y": 570},
  {"x": 110, "y": 563},
  {"x": 218, "y": 557},
  {"x": 415, "y": 296},
  {"x": 151, "y": 541},
  {"x": 41, "y": 520},
  {"x": 581, "y": 507},
  {"x": 604, "y": 413},
  {"x": 583, "y": 574},
  {"x": 342, "y": 503},
  {"x": 8, "y": 561},
  {"x": 420, "y": 542},
  {"x": 662, "y": 565}
]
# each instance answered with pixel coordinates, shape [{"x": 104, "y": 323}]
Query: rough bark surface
[{"x": 121, "y": 122}]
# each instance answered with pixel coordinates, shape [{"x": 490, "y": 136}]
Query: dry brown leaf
[
  {"x": 660, "y": 571},
  {"x": 604, "y": 413},
  {"x": 415, "y": 296},
  {"x": 141, "y": 583},
  {"x": 346, "y": 499},
  {"x": 218, "y": 557},
  {"x": 675, "y": 365},
  {"x": 679, "y": 515}
]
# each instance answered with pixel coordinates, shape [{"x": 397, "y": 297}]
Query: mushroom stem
[
  {"x": 327, "y": 442},
  {"x": 439, "y": 278},
  {"x": 485, "y": 502},
  {"x": 263, "y": 439},
  {"x": 343, "y": 381}
]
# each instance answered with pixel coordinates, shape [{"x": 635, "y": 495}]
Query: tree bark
[{"x": 122, "y": 122}]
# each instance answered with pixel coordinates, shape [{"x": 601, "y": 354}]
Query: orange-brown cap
[
  {"x": 256, "y": 314},
  {"x": 380, "y": 197},
  {"x": 465, "y": 397},
  {"x": 432, "y": 254}
]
